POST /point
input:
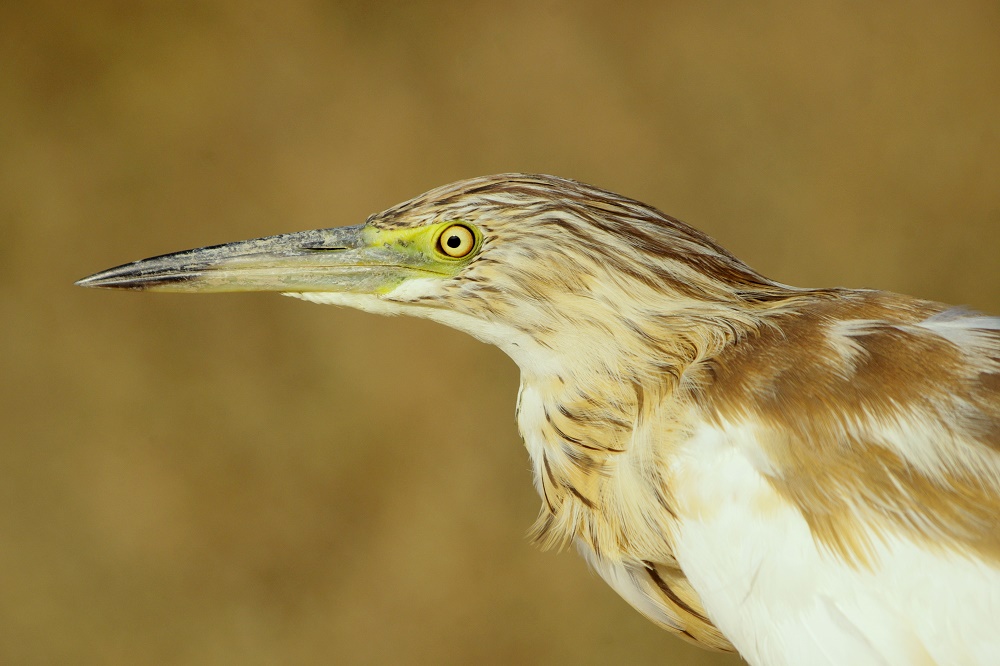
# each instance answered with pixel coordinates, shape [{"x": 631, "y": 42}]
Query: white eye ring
[{"x": 457, "y": 241}]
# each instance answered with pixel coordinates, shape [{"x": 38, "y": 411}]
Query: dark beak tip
[
  {"x": 90, "y": 282},
  {"x": 108, "y": 279},
  {"x": 122, "y": 279}
]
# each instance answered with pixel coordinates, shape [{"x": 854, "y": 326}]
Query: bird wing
[
  {"x": 890, "y": 420},
  {"x": 840, "y": 499}
]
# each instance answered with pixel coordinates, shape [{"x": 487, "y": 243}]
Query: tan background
[{"x": 247, "y": 479}]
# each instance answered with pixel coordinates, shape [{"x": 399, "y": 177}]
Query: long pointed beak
[{"x": 344, "y": 259}]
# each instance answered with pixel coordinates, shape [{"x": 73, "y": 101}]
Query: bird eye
[{"x": 457, "y": 241}]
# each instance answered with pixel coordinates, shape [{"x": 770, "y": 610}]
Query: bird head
[{"x": 539, "y": 266}]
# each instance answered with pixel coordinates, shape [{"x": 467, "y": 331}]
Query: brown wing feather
[{"x": 878, "y": 411}]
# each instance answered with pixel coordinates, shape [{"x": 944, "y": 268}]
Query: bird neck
[
  {"x": 592, "y": 411},
  {"x": 619, "y": 348}
]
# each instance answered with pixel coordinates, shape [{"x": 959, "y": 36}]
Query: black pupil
[{"x": 453, "y": 241}]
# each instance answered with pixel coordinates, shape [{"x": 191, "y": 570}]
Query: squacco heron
[{"x": 807, "y": 476}]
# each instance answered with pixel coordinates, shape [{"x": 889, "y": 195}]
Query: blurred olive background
[{"x": 248, "y": 479}]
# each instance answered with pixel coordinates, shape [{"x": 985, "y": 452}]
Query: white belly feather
[{"x": 783, "y": 599}]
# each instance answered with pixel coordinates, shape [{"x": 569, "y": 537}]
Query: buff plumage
[{"x": 803, "y": 475}]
